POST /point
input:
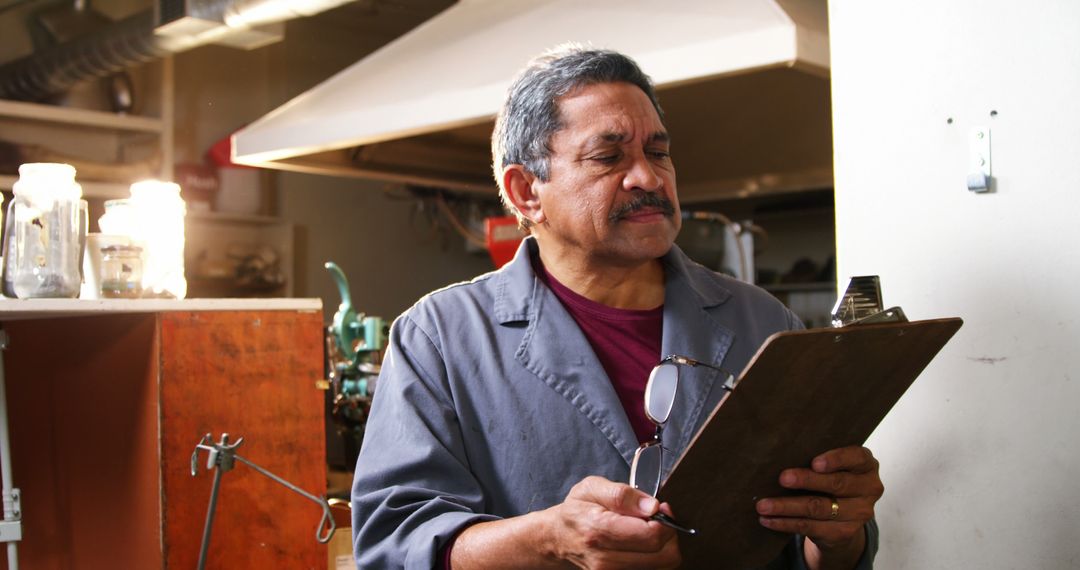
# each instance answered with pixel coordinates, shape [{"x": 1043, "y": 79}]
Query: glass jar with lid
[
  {"x": 161, "y": 211},
  {"x": 43, "y": 244}
]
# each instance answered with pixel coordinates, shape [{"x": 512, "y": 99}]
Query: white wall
[{"x": 980, "y": 458}]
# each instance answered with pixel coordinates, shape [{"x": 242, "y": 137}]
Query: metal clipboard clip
[{"x": 861, "y": 304}]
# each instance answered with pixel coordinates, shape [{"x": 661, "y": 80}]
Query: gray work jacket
[{"x": 492, "y": 404}]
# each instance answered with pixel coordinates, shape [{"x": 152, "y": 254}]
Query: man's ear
[{"x": 521, "y": 188}]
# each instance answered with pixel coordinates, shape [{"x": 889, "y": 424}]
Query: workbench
[{"x": 106, "y": 402}]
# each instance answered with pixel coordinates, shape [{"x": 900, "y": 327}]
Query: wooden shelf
[
  {"x": 21, "y": 309},
  {"x": 83, "y": 117},
  {"x": 105, "y": 412},
  {"x": 218, "y": 242},
  {"x": 102, "y": 145}
]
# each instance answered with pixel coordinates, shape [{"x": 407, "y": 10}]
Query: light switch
[{"x": 979, "y": 175}]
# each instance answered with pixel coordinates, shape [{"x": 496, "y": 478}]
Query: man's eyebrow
[
  {"x": 607, "y": 137},
  {"x": 660, "y": 136},
  {"x": 617, "y": 137}
]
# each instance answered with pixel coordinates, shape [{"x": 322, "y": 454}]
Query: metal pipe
[
  {"x": 6, "y": 485},
  {"x": 204, "y": 549}
]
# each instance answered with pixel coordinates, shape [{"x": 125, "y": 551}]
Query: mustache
[{"x": 641, "y": 201}]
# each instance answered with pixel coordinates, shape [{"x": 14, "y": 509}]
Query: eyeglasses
[{"x": 663, "y": 384}]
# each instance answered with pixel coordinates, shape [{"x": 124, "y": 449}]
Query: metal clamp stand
[
  {"x": 223, "y": 456},
  {"x": 11, "y": 526}
]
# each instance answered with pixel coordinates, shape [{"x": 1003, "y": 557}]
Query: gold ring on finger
[{"x": 835, "y": 510}]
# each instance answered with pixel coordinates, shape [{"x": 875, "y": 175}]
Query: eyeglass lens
[
  {"x": 660, "y": 392},
  {"x": 645, "y": 471}
]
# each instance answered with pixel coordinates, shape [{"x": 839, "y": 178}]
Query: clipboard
[{"x": 803, "y": 393}]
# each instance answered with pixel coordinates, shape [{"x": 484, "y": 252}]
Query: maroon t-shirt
[{"x": 627, "y": 343}]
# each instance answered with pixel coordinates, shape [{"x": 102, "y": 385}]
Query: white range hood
[{"x": 744, "y": 84}]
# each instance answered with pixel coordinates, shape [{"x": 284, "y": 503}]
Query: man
[{"x": 509, "y": 408}]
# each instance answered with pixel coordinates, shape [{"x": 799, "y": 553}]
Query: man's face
[{"x": 610, "y": 193}]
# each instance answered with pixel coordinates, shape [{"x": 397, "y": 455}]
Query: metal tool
[
  {"x": 861, "y": 304},
  {"x": 222, "y": 455}
]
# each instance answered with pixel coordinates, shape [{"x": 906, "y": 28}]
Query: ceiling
[{"x": 747, "y": 97}]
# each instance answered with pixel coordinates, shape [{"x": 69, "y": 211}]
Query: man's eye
[
  {"x": 606, "y": 158},
  {"x": 660, "y": 154}
]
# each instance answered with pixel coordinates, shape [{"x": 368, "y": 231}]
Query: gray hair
[{"x": 530, "y": 115}]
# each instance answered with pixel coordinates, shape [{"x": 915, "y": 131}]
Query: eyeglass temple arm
[{"x": 691, "y": 362}]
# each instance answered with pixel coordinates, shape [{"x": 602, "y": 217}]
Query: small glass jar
[
  {"x": 120, "y": 218},
  {"x": 121, "y": 272}
]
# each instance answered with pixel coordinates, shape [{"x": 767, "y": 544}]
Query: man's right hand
[
  {"x": 603, "y": 524},
  {"x": 600, "y": 524}
]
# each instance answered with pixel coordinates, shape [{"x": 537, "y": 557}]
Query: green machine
[{"x": 354, "y": 345}]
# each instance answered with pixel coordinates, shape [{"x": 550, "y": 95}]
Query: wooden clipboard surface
[{"x": 803, "y": 393}]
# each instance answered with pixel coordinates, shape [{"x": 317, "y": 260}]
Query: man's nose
[{"x": 642, "y": 175}]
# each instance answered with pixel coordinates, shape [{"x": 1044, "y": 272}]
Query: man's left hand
[{"x": 848, "y": 478}]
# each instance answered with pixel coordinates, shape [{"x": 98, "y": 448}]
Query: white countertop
[{"x": 15, "y": 309}]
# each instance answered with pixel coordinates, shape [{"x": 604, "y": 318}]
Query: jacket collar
[
  {"x": 562, "y": 358},
  {"x": 516, "y": 284}
]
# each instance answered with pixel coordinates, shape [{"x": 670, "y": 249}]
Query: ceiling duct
[
  {"x": 119, "y": 45},
  {"x": 744, "y": 83},
  {"x": 171, "y": 27}
]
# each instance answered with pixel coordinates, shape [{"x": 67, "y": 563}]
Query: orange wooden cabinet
[{"x": 105, "y": 412}]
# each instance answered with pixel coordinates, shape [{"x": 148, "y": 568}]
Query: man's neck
[{"x": 622, "y": 286}]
